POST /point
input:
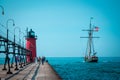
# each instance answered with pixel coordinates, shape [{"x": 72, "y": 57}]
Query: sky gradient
[{"x": 59, "y": 23}]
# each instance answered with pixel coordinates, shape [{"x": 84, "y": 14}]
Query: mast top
[{"x": 90, "y": 22}]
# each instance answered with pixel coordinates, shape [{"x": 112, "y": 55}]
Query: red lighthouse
[{"x": 31, "y": 45}]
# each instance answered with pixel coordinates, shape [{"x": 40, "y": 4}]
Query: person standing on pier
[
  {"x": 39, "y": 59},
  {"x": 43, "y": 60}
]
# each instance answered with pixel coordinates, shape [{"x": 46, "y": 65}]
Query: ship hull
[{"x": 91, "y": 59}]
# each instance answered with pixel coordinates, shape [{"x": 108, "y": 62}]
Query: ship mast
[{"x": 90, "y": 37}]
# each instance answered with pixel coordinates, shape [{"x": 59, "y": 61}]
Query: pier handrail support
[
  {"x": 19, "y": 47},
  {"x": 21, "y": 59},
  {"x": 7, "y": 49},
  {"x": 14, "y": 55},
  {"x": 23, "y": 48},
  {"x": 9, "y": 72}
]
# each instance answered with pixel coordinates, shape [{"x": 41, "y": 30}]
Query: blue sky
[{"x": 59, "y": 23}]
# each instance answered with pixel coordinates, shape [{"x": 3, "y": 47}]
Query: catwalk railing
[{"x": 8, "y": 45}]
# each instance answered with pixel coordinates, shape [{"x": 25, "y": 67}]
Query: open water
[{"x": 74, "y": 68}]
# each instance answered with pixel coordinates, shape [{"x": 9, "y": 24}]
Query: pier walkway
[
  {"x": 46, "y": 72},
  {"x": 21, "y": 74},
  {"x": 32, "y": 71}
]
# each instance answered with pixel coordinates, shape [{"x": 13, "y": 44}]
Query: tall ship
[{"x": 90, "y": 54}]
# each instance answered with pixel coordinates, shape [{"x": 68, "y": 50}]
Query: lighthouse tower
[{"x": 31, "y": 45}]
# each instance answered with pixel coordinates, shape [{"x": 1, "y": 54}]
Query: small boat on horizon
[{"x": 90, "y": 54}]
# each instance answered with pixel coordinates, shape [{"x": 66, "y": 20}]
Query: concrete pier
[
  {"x": 46, "y": 72},
  {"x": 31, "y": 72},
  {"x": 20, "y": 74}
]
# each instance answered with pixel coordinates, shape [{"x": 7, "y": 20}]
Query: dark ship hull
[{"x": 91, "y": 59}]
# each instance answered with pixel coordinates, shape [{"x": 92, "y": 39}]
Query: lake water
[{"x": 74, "y": 68}]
